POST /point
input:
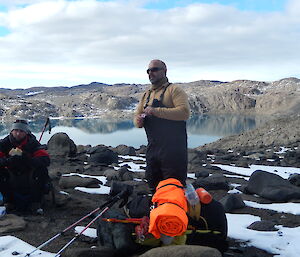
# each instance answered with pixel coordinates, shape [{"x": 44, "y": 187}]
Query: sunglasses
[{"x": 154, "y": 69}]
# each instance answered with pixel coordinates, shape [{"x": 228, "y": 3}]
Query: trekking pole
[
  {"x": 117, "y": 192},
  {"x": 64, "y": 231},
  {"x": 47, "y": 123},
  {"x": 116, "y": 198}
]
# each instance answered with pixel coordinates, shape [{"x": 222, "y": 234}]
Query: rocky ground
[{"x": 97, "y": 161}]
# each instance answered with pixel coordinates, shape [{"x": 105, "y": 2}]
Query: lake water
[{"x": 201, "y": 130}]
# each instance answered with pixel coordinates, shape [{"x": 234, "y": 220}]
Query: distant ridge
[{"x": 118, "y": 101}]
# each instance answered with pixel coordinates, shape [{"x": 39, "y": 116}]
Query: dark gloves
[
  {"x": 3, "y": 162},
  {"x": 18, "y": 161}
]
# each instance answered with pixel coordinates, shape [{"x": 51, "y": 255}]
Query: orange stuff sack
[
  {"x": 169, "y": 217},
  {"x": 203, "y": 195},
  {"x": 170, "y": 191}
]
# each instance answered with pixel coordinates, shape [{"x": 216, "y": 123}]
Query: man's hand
[
  {"x": 15, "y": 151},
  {"x": 140, "y": 120},
  {"x": 149, "y": 111}
]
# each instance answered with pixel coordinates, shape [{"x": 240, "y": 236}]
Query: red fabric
[
  {"x": 2, "y": 154},
  {"x": 24, "y": 142},
  {"x": 141, "y": 230},
  {"x": 40, "y": 152}
]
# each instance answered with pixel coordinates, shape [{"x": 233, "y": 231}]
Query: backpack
[
  {"x": 139, "y": 206},
  {"x": 209, "y": 228}
]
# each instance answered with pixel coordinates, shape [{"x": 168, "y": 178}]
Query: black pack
[
  {"x": 118, "y": 236},
  {"x": 139, "y": 206},
  {"x": 211, "y": 227}
]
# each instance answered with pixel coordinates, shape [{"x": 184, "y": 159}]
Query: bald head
[
  {"x": 157, "y": 72},
  {"x": 158, "y": 63}
]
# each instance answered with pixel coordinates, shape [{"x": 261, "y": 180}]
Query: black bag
[
  {"x": 116, "y": 236},
  {"x": 139, "y": 206},
  {"x": 212, "y": 226}
]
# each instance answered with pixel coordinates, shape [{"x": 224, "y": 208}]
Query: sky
[
  {"x": 284, "y": 242},
  {"x": 67, "y": 43}
]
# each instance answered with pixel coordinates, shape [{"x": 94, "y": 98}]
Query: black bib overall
[{"x": 166, "y": 155}]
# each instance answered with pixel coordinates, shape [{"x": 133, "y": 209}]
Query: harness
[{"x": 160, "y": 98}]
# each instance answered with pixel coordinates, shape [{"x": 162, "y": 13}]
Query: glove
[
  {"x": 17, "y": 161},
  {"x": 3, "y": 162}
]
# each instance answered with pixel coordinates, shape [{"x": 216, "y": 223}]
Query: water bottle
[
  {"x": 203, "y": 195},
  {"x": 191, "y": 195}
]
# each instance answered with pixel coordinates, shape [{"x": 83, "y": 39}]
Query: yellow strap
[
  {"x": 203, "y": 231},
  {"x": 204, "y": 220}
]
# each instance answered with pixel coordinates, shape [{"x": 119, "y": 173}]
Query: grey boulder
[
  {"x": 272, "y": 187},
  {"x": 182, "y": 250}
]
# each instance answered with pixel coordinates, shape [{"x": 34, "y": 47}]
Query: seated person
[{"x": 23, "y": 169}]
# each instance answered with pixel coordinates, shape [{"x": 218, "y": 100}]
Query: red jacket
[{"x": 30, "y": 147}]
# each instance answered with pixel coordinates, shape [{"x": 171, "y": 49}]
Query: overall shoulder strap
[
  {"x": 163, "y": 92},
  {"x": 148, "y": 97}
]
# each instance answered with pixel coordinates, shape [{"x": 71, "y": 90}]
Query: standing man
[
  {"x": 23, "y": 169},
  {"x": 163, "y": 111}
]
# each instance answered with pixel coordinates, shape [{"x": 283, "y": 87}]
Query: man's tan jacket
[{"x": 175, "y": 100}]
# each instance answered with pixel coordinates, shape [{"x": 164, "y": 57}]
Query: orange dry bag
[
  {"x": 169, "y": 217},
  {"x": 203, "y": 195}
]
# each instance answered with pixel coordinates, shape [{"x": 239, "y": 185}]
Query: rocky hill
[
  {"x": 278, "y": 132},
  {"x": 244, "y": 96},
  {"x": 118, "y": 101}
]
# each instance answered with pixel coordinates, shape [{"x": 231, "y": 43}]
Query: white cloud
[
  {"x": 293, "y": 8},
  {"x": 11, "y": 3},
  {"x": 200, "y": 41}
]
